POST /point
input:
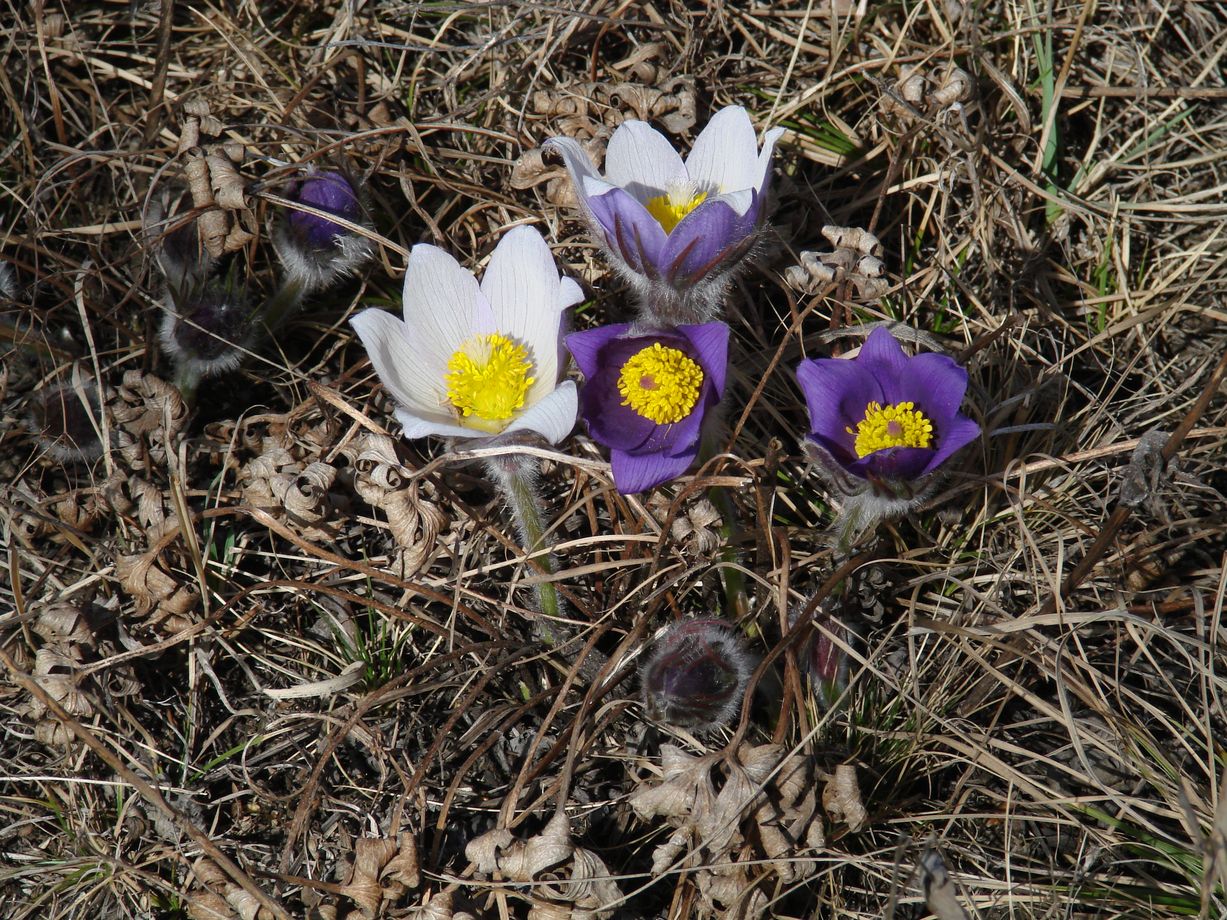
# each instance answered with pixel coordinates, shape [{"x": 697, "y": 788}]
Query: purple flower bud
[
  {"x": 695, "y": 675},
  {"x": 825, "y": 656},
  {"x": 314, "y": 250},
  {"x": 206, "y": 330}
]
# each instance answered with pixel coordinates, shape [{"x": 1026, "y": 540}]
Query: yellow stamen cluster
[
  {"x": 679, "y": 199},
  {"x": 895, "y": 425},
  {"x": 661, "y": 383},
  {"x": 488, "y": 380}
]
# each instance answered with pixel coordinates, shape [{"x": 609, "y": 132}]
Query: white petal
[
  {"x": 441, "y": 301},
  {"x": 641, "y": 160},
  {"x": 594, "y": 186},
  {"x": 553, "y": 417},
  {"x": 521, "y": 282},
  {"x": 574, "y": 157},
  {"x": 384, "y": 337},
  {"x": 569, "y": 293},
  {"x": 422, "y": 424},
  {"x": 725, "y": 154},
  {"x": 764, "y": 158}
]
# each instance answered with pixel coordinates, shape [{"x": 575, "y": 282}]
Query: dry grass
[{"x": 1038, "y": 687}]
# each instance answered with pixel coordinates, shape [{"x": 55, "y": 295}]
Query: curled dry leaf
[
  {"x": 854, "y": 260},
  {"x": 695, "y": 526},
  {"x": 218, "y": 193},
  {"x": 63, "y": 623},
  {"x": 683, "y": 775},
  {"x": 854, "y": 238},
  {"x": 55, "y": 670},
  {"x": 671, "y": 103},
  {"x": 577, "y": 879},
  {"x": 731, "y": 896},
  {"x": 298, "y": 493},
  {"x": 590, "y": 888},
  {"x": 919, "y": 93},
  {"x": 383, "y": 869},
  {"x": 211, "y": 889},
  {"x": 526, "y": 860},
  {"x": 168, "y": 603},
  {"x": 842, "y": 798},
  {"x": 645, "y": 62},
  {"x": 763, "y": 813},
  {"x": 383, "y": 483},
  {"x": 532, "y": 167},
  {"x": 149, "y": 413},
  {"x": 483, "y": 851}
]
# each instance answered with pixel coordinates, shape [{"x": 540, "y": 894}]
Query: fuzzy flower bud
[
  {"x": 316, "y": 251},
  {"x": 64, "y": 419},
  {"x": 207, "y": 329},
  {"x": 695, "y": 675}
]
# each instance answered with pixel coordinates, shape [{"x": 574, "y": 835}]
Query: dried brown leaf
[{"x": 842, "y": 798}]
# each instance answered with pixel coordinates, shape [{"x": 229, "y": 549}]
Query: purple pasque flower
[
  {"x": 316, "y": 251},
  {"x": 695, "y": 674},
  {"x": 645, "y": 395},
  {"x": 883, "y": 424},
  {"x": 676, "y": 229}
]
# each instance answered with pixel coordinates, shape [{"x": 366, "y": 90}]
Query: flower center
[
  {"x": 896, "y": 425},
  {"x": 661, "y": 383},
  {"x": 680, "y": 198},
  {"x": 488, "y": 380}
]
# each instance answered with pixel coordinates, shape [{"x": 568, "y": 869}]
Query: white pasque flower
[{"x": 476, "y": 361}]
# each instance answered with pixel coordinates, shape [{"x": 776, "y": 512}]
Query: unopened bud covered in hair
[
  {"x": 696, "y": 674},
  {"x": 316, "y": 251},
  {"x": 207, "y": 329}
]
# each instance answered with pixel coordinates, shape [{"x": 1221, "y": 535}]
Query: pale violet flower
[
  {"x": 676, "y": 229},
  {"x": 476, "y": 360}
]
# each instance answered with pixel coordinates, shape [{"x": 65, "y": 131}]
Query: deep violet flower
[
  {"x": 316, "y": 251},
  {"x": 645, "y": 395},
  {"x": 476, "y": 361},
  {"x": 882, "y": 426},
  {"x": 695, "y": 674},
  {"x": 676, "y": 230}
]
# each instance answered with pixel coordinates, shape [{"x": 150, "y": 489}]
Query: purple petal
[
  {"x": 704, "y": 239},
  {"x": 710, "y": 342},
  {"x": 960, "y": 432},
  {"x": 837, "y": 392},
  {"x": 883, "y": 357},
  {"x": 609, "y": 422},
  {"x": 585, "y": 347},
  {"x": 636, "y": 473},
  {"x": 630, "y": 230},
  {"x": 936, "y": 384}
]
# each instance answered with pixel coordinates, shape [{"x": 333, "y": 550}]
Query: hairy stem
[{"x": 517, "y": 477}]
